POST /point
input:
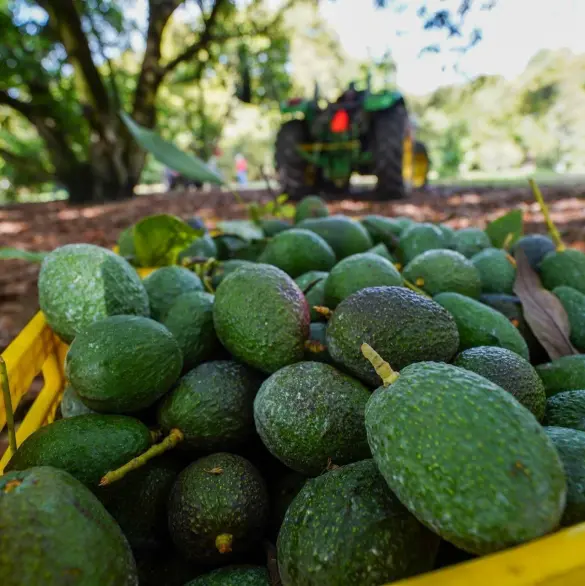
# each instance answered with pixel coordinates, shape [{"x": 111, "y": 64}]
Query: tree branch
[
  {"x": 27, "y": 165},
  {"x": 205, "y": 38},
  {"x": 65, "y": 20}
]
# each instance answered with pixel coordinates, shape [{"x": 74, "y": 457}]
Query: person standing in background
[{"x": 241, "y": 169}]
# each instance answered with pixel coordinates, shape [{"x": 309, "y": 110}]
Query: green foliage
[
  {"x": 506, "y": 229},
  {"x": 159, "y": 239}
]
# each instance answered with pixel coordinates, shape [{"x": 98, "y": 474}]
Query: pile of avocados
[{"x": 354, "y": 402}]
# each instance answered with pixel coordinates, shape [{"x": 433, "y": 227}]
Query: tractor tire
[
  {"x": 290, "y": 166},
  {"x": 387, "y": 149}
]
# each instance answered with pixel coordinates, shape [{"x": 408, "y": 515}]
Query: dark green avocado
[
  {"x": 566, "y": 409},
  {"x": 234, "y": 576},
  {"x": 563, "y": 374}
]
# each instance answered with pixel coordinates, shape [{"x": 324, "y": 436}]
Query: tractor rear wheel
[
  {"x": 292, "y": 169},
  {"x": 388, "y": 150}
]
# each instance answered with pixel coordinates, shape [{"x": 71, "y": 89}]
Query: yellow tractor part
[{"x": 421, "y": 165}]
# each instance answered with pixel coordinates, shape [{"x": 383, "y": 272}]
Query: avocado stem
[
  {"x": 507, "y": 241},
  {"x": 175, "y": 437},
  {"x": 416, "y": 289},
  {"x": 223, "y": 542},
  {"x": 314, "y": 346},
  {"x": 324, "y": 311},
  {"x": 8, "y": 406},
  {"x": 382, "y": 368},
  {"x": 554, "y": 233}
]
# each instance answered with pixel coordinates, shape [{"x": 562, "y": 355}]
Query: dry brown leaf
[{"x": 543, "y": 311}]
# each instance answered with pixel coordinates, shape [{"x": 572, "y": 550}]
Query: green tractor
[{"x": 364, "y": 132}]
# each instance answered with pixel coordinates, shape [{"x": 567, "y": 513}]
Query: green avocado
[
  {"x": 234, "y": 576},
  {"x": 311, "y": 206},
  {"x": 357, "y": 272},
  {"x": 218, "y": 508},
  {"x": 72, "y": 405},
  {"x": 213, "y": 405},
  {"x": 496, "y": 271},
  {"x": 448, "y": 234},
  {"x": 509, "y": 371},
  {"x": 467, "y": 459},
  {"x": 574, "y": 303},
  {"x": 86, "y": 446},
  {"x": 190, "y": 320},
  {"x": 344, "y": 235},
  {"x": 347, "y": 527},
  {"x": 82, "y": 283},
  {"x": 564, "y": 268},
  {"x": 273, "y": 226},
  {"x": 297, "y": 251},
  {"x": 138, "y": 502},
  {"x": 123, "y": 363},
  {"x": 570, "y": 445},
  {"x": 382, "y": 250},
  {"x": 566, "y": 409},
  {"x": 440, "y": 270},
  {"x": 312, "y": 285},
  {"x": 535, "y": 247},
  {"x": 309, "y": 414},
  {"x": 563, "y": 374},
  {"x": 401, "y": 325},
  {"x": 383, "y": 230},
  {"x": 480, "y": 325},
  {"x": 419, "y": 238},
  {"x": 56, "y": 532},
  {"x": 165, "y": 284},
  {"x": 470, "y": 241},
  {"x": 261, "y": 317},
  {"x": 225, "y": 268},
  {"x": 203, "y": 247}
]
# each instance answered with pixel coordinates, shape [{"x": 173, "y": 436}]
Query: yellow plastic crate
[{"x": 556, "y": 560}]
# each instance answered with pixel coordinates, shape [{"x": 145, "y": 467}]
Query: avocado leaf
[
  {"x": 159, "y": 239},
  {"x": 20, "y": 254},
  {"x": 245, "y": 229},
  {"x": 167, "y": 153},
  {"x": 506, "y": 229}
]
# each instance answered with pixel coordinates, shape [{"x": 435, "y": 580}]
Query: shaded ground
[{"x": 47, "y": 225}]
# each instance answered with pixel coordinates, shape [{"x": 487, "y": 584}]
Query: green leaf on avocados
[
  {"x": 159, "y": 239},
  {"x": 499, "y": 230},
  {"x": 245, "y": 229},
  {"x": 19, "y": 254},
  {"x": 167, "y": 153}
]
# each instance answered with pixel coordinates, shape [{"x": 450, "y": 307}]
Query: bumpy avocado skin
[
  {"x": 466, "y": 458},
  {"x": 298, "y": 251},
  {"x": 347, "y": 527},
  {"x": 273, "y": 226},
  {"x": 55, "y": 532},
  {"x": 480, "y": 325},
  {"x": 574, "y": 303},
  {"x": 219, "y": 494},
  {"x": 83, "y": 283},
  {"x": 123, "y": 363},
  {"x": 440, "y": 270},
  {"x": 190, "y": 320},
  {"x": 311, "y": 206},
  {"x": 165, "y": 284},
  {"x": 566, "y": 409},
  {"x": 86, "y": 446},
  {"x": 225, "y": 268},
  {"x": 213, "y": 405},
  {"x": 419, "y": 238},
  {"x": 535, "y": 247},
  {"x": 234, "y": 576},
  {"x": 138, "y": 502},
  {"x": 72, "y": 405},
  {"x": 563, "y": 374},
  {"x": 262, "y": 317},
  {"x": 357, "y": 272},
  {"x": 312, "y": 284},
  {"x": 309, "y": 413},
  {"x": 470, "y": 241},
  {"x": 496, "y": 270},
  {"x": 402, "y": 326},
  {"x": 570, "y": 444},
  {"x": 508, "y": 370},
  {"x": 564, "y": 268},
  {"x": 344, "y": 235}
]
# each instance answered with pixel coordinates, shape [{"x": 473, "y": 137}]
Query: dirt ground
[{"x": 45, "y": 226}]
